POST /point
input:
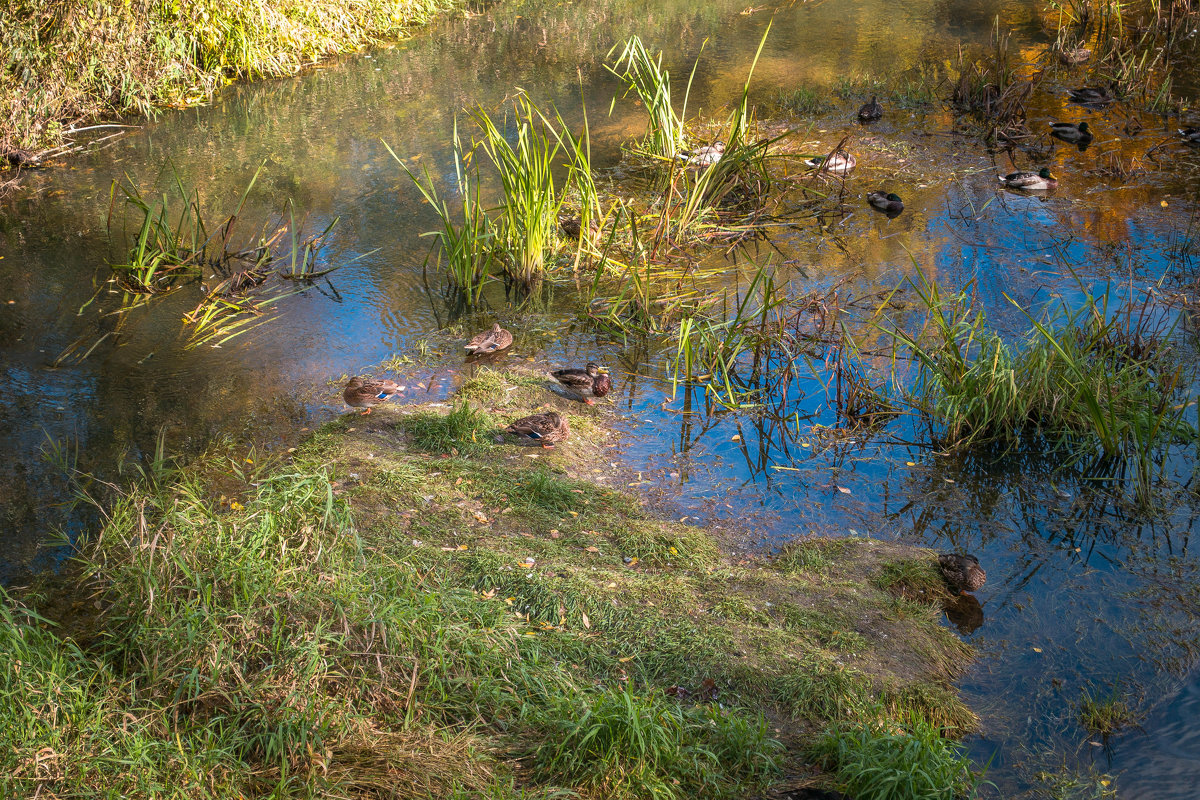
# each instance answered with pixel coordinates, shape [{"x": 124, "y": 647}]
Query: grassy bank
[
  {"x": 410, "y": 609},
  {"x": 69, "y": 61}
]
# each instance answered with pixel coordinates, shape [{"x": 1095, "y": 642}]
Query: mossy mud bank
[
  {"x": 65, "y": 63},
  {"x": 406, "y": 608}
]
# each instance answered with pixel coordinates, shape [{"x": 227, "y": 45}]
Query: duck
[
  {"x": 1070, "y": 132},
  {"x": 490, "y": 341},
  {"x": 20, "y": 158},
  {"x": 1039, "y": 181},
  {"x": 887, "y": 202},
  {"x": 592, "y": 381},
  {"x": 962, "y": 572},
  {"x": 704, "y": 156},
  {"x": 572, "y": 226},
  {"x": 837, "y": 164},
  {"x": 1074, "y": 55},
  {"x": 1190, "y": 135},
  {"x": 1091, "y": 95},
  {"x": 545, "y": 429},
  {"x": 870, "y": 111},
  {"x": 367, "y": 394}
]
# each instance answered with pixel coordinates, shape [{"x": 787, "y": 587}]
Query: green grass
[
  {"x": 886, "y": 761},
  {"x": 1104, "y": 715},
  {"x": 87, "y": 60},
  {"x": 368, "y": 619}
]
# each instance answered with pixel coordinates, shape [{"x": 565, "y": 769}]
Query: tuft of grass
[
  {"x": 644, "y": 74},
  {"x": 802, "y": 101},
  {"x": 911, "y": 578},
  {"x": 886, "y": 761},
  {"x": 1105, "y": 715},
  {"x": 463, "y": 430},
  {"x": 615, "y": 743}
]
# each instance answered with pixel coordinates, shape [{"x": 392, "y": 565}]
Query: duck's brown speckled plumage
[
  {"x": 962, "y": 572},
  {"x": 545, "y": 429},
  {"x": 592, "y": 381},
  {"x": 491, "y": 341},
  {"x": 366, "y": 394}
]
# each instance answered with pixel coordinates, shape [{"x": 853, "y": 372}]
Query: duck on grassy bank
[
  {"x": 545, "y": 429},
  {"x": 962, "y": 572},
  {"x": 367, "y": 394}
]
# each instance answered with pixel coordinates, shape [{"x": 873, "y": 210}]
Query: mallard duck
[
  {"x": 704, "y": 156},
  {"x": 572, "y": 226},
  {"x": 1070, "y": 132},
  {"x": 545, "y": 429},
  {"x": 366, "y": 394},
  {"x": 962, "y": 572},
  {"x": 490, "y": 341},
  {"x": 1091, "y": 95},
  {"x": 1074, "y": 55},
  {"x": 593, "y": 381},
  {"x": 870, "y": 111},
  {"x": 887, "y": 202},
  {"x": 837, "y": 164},
  {"x": 1039, "y": 181},
  {"x": 1190, "y": 135}
]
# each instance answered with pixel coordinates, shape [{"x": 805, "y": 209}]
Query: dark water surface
[{"x": 1082, "y": 593}]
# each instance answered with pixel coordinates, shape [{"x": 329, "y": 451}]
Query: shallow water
[{"x": 1081, "y": 593}]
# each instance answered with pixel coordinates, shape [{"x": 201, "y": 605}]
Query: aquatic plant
[
  {"x": 528, "y": 213},
  {"x": 466, "y": 250},
  {"x": 1095, "y": 380},
  {"x": 645, "y": 75}
]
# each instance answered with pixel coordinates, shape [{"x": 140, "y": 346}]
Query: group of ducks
[
  {"x": 841, "y": 163},
  {"x": 545, "y": 428}
]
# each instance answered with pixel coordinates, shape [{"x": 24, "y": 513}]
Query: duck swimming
[
  {"x": 887, "y": 202},
  {"x": 1070, "y": 132},
  {"x": 962, "y": 572},
  {"x": 837, "y": 164},
  {"x": 592, "y": 381},
  {"x": 870, "y": 111},
  {"x": 1039, "y": 181},
  {"x": 1091, "y": 95}
]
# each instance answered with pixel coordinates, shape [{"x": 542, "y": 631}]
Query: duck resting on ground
[
  {"x": 704, "y": 156},
  {"x": 962, "y": 572},
  {"x": 870, "y": 111},
  {"x": 838, "y": 163},
  {"x": 367, "y": 394},
  {"x": 545, "y": 429},
  {"x": 887, "y": 202},
  {"x": 1070, "y": 132},
  {"x": 592, "y": 381},
  {"x": 1039, "y": 181},
  {"x": 1074, "y": 55},
  {"x": 489, "y": 341},
  {"x": 572, "y": 226}
]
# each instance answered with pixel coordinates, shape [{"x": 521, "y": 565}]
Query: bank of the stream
[
  {"x": 408, "y": 609},
  {"x": 63, "y": 64}
]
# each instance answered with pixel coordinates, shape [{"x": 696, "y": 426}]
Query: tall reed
[{"x": 645, "y": 75}]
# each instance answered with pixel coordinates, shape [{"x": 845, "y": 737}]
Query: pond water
[{"x": 1082, "y": 594}]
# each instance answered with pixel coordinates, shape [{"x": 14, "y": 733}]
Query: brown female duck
[
  {"x": 366, "y": 394},
  {"x": 544, "y": 429},
  {"x": 492, "y": 341},
  {"x": 962, "y": 572},
  {"x": 592, "y": 381}
]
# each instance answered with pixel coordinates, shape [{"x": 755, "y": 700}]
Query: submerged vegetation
[
  {"x": 369, "y": 620},
  {"x": 66, "y": 63}
]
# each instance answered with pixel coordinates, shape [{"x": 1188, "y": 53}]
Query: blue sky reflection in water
[{"x": 1082, "y": 593}]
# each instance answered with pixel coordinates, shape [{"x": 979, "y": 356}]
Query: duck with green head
[
  {"x": 1070, "y": 132},
  {"x": 887, "y": 202},
  {"x": 1040, "y": 181},
  {"x": 592, "y": 381}
]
